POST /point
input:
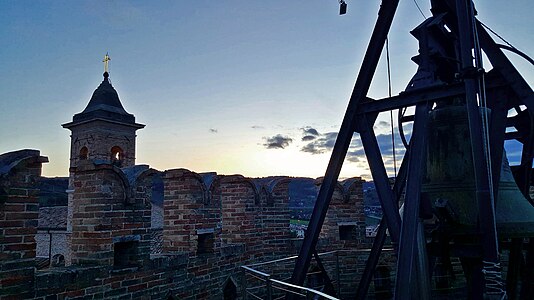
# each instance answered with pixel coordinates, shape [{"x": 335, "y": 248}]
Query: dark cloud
[
  {"x": 256, "y": 127},
  {"x": 354, "y": 158},
  {"x": 356, "y": 141},
  {"x": 309, "y": 134},
  {"x": 310, "y": 148},
  {"x": 329, "y": 139},
  {"x": 321, "y": 144},
  {"x": 386, "y": 144},
  {"x": 310, "y": 131},
  {"x": 381, "y": 125},
  {"x": 308, "y": 138},
  {"x": 356, "y": 155},
  {"x": 213, "y": 130},
  {"x": 277, "y": 142}
]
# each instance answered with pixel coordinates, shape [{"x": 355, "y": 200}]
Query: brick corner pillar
[
  {"x": 110, "y": 226},
  {"x": 240, "y": 204},
  {"x": 20, "y": 172},
  {"x": 344, "y": 225},
  {"x": 184, "y": 195},
  {"x": 354, "y": 208},
  {"x": 276, "y": 233}
]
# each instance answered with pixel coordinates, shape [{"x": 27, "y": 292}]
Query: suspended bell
[{"x": 449, "y": 180}]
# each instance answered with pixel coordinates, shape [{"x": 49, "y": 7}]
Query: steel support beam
[
  {"x": 408, "y": 246},
  {"x": 380, "y": 238},
  {"x": 514, "y": 266},
  {"x": 328, "y": 286},
  {"x": 412, "y": 98},
  {"x": 380, "y": 178},
  {"x": 361, "y": 87},
  {"x": 486, "y": 205},
  {"x": 527, "y": 284},
  {"x": 497, "y": 100},
  {"x": 372, "y": 261}
]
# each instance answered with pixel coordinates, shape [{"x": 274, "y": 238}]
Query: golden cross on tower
[{"x": 105, "y": 61}]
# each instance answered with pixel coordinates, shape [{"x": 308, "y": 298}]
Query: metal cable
[
  {"x": 391, "y": 112},
  {"x": 516, "y": 51},
  {"x": 490, "y": 269},
  {"x": 419, "y": 8},
  {"x": 509, "y": 46},
  {"x": 496, "y": 34}
]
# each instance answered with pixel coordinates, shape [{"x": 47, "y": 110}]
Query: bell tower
[{"x": 103, "y": 131}]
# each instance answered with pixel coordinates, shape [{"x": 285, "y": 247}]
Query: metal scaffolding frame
[{"x": 361, "y": 115}]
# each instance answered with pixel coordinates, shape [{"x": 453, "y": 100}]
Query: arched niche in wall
[
  {"x": 229, "y": 289},
  {"x": 58, "y": 260}
]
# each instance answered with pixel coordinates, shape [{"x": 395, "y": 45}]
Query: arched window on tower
[
  {"x": 84, "y": 153},
  {"x": 117, "y": 156}
]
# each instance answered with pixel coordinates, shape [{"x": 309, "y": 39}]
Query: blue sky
[{"x": 221, "y": 85}]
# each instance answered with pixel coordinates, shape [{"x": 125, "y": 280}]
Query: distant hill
[
  {"x": 53, "y": 191},
  {"x": 302, "y": 192},
  {"x": 370, "y": 196},
  {"x": 302, "y": 197}
]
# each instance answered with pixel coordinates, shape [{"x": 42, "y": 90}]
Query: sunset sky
[{"x": 257, "y": 88}]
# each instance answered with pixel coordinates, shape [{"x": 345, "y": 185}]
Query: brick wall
[
  {"x": 275, "y": 216},
  {"x": 107, "y": 217},
  {"x": 212, "y": 225},
  {"x": 111, "y": 212},
  {"x": 240, "y": 207},
  {"x": 344, "y": 225},
  {"x": 19, "y": 207},
  {"x": 186, "y": 211}
]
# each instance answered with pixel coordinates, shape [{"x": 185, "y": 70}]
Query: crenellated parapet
[
  {"x": 209, "y": 213},
  {"x": 207, "y": 226}
]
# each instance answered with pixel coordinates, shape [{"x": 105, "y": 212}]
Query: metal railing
[
  {"x": 269, "y": 288},
  {"x": 272, "y": 284},
  {"x": 270, "y": 280}
]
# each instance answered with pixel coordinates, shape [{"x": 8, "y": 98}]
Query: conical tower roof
[{"x": 104, "y": 105}]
